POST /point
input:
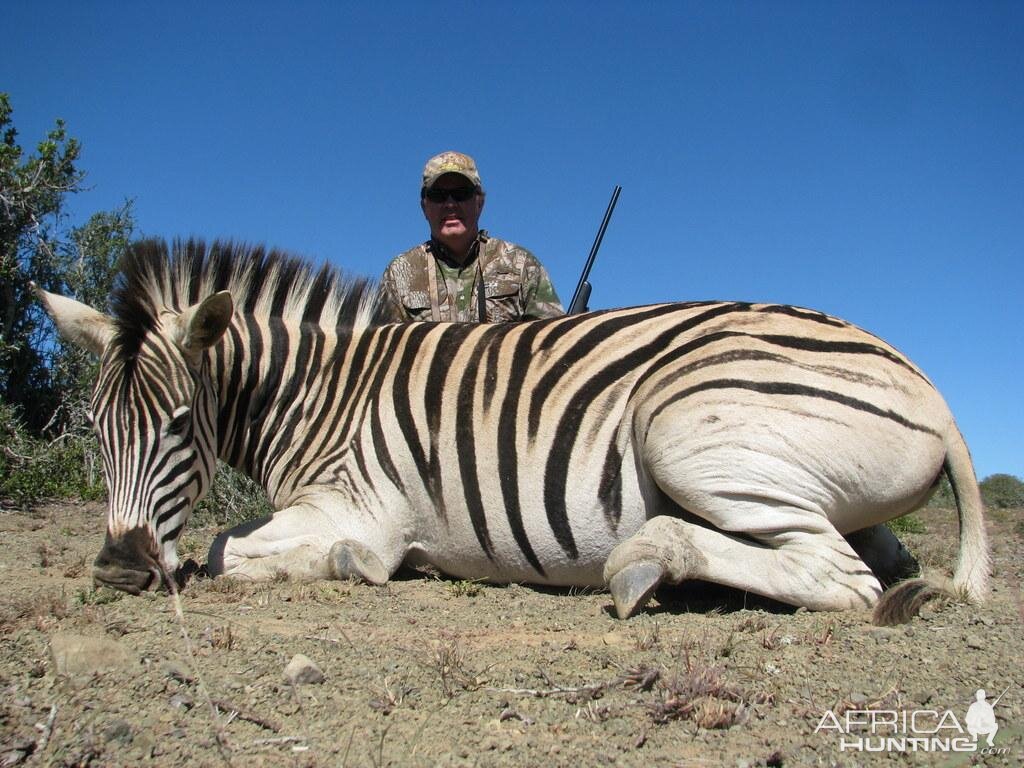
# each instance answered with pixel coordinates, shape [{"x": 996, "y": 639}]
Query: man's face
[{"x": 449, "y": 219}]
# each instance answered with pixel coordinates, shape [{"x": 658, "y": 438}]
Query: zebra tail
[
  {"x": 902, "y": 602},
  {"x": 970, "y": 579}
]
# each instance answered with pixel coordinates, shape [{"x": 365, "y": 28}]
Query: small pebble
[{"x": 302, "y": 670}]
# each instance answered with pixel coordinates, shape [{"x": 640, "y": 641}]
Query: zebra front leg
[
  {"x": 814, "y": 569},
  {"x": 307, "y": 542}
]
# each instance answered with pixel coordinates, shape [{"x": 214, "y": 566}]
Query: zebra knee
[
  {"x": 349, "y": 559},
  {"x": 664, "y": 541}
]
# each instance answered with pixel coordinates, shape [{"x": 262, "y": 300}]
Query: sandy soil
[{"x": 428, "y": 671}]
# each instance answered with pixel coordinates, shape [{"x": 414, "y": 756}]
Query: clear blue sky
[{"x": 865, "y": 159}]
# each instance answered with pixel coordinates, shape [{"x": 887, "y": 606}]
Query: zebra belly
[{"x": 455, "y": 549}]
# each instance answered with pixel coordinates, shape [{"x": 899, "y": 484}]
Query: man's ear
[
  {"x": 79, "y": 323},
  {"x": 201, "y": 325}
]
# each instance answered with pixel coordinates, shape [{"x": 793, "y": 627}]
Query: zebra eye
[{"x": 180, "y": 422}]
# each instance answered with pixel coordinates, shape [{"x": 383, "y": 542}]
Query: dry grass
[
  {"x": 646, "y": 634},
  {"x": 448, "y": 659},
  {"x": 222, "y": 637},
  {"x": 700, "y": 693},
  {"x": 391, "y": 696},
  {"x": 41, "y": 611}
]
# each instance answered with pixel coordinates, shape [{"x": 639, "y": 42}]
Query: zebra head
[{"x": 154, "y": 412}]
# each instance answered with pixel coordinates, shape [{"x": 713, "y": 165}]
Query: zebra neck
[{"x": 288, "y": 393}]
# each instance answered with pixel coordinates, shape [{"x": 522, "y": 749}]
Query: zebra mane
[{"x": 155, "y": 277}]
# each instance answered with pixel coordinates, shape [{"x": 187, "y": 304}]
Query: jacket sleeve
[
  {"x": 394, "y": 309},
  {"x": 539, "y": 297}
]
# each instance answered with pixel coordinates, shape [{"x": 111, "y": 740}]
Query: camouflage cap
[{"x": 450, "y": 162}]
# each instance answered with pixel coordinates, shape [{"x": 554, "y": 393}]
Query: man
[{"x": 461, "y": 273}]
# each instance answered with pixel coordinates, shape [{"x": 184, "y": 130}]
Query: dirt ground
[{"x": 428, "y": 671}]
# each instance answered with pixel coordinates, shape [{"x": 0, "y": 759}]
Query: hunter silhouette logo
[
  {"x": 919, "y": 730},
  {"x": 981, "y": 717}
]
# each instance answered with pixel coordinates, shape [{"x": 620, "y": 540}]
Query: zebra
[{"x": 756, "y": 446}]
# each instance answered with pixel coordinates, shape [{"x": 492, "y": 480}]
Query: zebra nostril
[
  {"x": 122, "y": 579},
  {"x": 126, "y": 563}
]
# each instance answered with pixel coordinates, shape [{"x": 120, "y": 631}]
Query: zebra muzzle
[{"x": 127, "y": 564}]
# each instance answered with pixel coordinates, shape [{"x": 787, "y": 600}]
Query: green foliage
[
  {"x": 232, "y": 499},
  {"x": 997, "y": 492},
  {"x": 33, "y": 469},
  {"x": 465, "y": 587},
  {"x": 907, "y": 524},
  {"x": 32, "y": 190},
  {"x": 98, "y": 595},
  {"x": 46, "y": 381},
  {"x": 1002, "y": 491}
]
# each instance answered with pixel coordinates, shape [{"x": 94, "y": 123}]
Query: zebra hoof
[
  {"x": 349, "y": 559},
  {"x": 633, "y": 586}
]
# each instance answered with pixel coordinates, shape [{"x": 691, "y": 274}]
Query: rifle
[{"x": 582, "y": 294}]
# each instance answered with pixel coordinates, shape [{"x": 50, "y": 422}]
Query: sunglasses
[{"x": 459, "y": 194}]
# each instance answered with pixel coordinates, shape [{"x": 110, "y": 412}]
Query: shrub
[
  {"x": 232, "y": 499},
  {"x": 1002, "y": 491},
  {"x": 997, "y": 492},
  {"x": 33, "y": 469},
  {"x": 907, "y": 524}
]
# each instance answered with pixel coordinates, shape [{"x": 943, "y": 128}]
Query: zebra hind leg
[
  {"x": 817, "y": 570},
  {"x": 884, "y": 554}
]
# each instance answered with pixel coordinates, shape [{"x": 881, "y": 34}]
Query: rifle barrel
[{"x": 593, "y": 249}]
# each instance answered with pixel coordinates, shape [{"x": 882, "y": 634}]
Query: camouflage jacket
[{"x": 516, "y": 285}]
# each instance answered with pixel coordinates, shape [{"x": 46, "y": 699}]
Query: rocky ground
[{"x": 434, "y": 672}]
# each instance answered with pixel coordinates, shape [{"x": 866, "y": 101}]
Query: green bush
[
  {"x": 232, "y": 499},
  {"x": 1002, "y": 491},
  {"x": 997, "y": 492},
  {"x": 907, "y": 524},
  {"x": 32, "y": 469}
]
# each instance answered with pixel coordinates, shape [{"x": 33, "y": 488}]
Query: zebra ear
[
  {"x": 77, "y": 322},
  {"x": 202, "y": 324}
]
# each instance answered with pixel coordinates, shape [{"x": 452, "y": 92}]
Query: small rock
[
  {"x": 177, "y": 671},
  {"x": 75, "y": 655},
  {"x": 975, "y": 642},
  {"x": 119, "y": 730},
  {"x": 302, "y": 670},
  {"x": 884, "y": 634}
]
